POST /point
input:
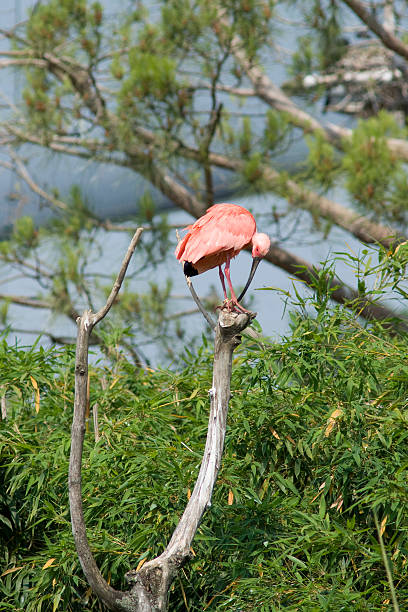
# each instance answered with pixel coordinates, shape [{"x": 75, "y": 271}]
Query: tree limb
[
  {"x": 200, "y": 306},
  {"x": 159, "y": 573},
  {"x": 119, "y": 280},
  {"x": 103, "y": 590}
]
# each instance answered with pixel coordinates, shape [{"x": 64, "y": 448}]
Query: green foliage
[
  {"x": 150, "y": 74},
  {"x": 276, "y": 129},
  {"x": 323, "y": 161},
  {"x": 324, "y": 45},
  {"x": 252, "y": 169},
  {"x": 25, "y": 234},
  {"x": 316, "y": 448},
  {"x": 252, "y": 22},
  {"x": 245, "y": 140},
  {"x": 303, "y": 60},
  {"x": 52, "y": 23},
  {"x": 377, "y": 181},
  {"x": 24, "y": 237}
]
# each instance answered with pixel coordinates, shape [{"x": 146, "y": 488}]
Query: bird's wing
[{"x": 222, "y": 228}]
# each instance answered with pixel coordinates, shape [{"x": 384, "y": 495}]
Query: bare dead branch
[
  {"x": 104, "y": 591},
  {"x": 23, "y": 301},
  {"x": 159, "y": 573},
  {"x": 97, "y": 582},
  {"x": 119, "y": 279},
  {"x": 200, "y": 306},
  {"x": 23, "y": 173}
]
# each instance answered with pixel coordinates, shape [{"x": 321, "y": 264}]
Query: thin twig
[
  {"x": 197, "y": 300},
  {"x": 23, "y": 173},
  {"x": 119, "y": 279}
]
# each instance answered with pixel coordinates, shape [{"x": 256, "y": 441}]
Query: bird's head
[{"x": 260, "y": 245}]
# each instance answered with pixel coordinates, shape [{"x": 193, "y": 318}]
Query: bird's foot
[{"x": 233, "y": 306}]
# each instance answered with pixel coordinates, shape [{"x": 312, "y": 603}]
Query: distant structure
[{"x": 365, "y": 80}]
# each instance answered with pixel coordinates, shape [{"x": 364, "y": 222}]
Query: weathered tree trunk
[
  {"x": 159, "y": 573},
  {"x": 149, "y": 587}
]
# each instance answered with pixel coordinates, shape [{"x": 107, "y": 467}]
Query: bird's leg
[
  {"x": 233, "y": 299},
  {"x": 222, "y": 282}
]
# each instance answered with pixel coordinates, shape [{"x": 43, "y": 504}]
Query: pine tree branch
[
  {"x": 362, "y": 228},
  {"x": 25, "y": 301},
  {"x": 23, "y": 173}
]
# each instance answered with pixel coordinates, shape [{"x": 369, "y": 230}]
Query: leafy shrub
[{"x": 316, "y": 452}]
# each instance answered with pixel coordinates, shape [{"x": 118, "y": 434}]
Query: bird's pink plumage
[{"x": 224, "y": 228}]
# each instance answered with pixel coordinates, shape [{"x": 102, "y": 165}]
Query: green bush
[{"x": 316, "y": 449}]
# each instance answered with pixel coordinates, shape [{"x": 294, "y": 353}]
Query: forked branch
[{"x": 103, "y": 590}]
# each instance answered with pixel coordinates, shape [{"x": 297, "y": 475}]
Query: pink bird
[{"x": 217, "y": 237}]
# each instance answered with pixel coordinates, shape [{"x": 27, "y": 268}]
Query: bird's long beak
[{"x": 255, "y": 264}]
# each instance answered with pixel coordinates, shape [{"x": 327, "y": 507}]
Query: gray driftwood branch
[
  {"x": 158, "y": 574},
  {"x": 149, "y": 587},
  {"x": 86, "y": 322}
]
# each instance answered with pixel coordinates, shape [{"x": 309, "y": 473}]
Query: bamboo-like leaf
[
  {"x": 11, "y": 570},
  {"x": 141, "y": 563},
  {"x": 48, "y": 563},
  {"x": 336, "y": 414},
  {"x": 37, "y": 394},
  {"x": 383, "y": 524}
]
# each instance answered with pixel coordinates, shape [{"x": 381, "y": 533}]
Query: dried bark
[
  {"x": 159, "y": 573},
  {"x": 103, "y": 590}
]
